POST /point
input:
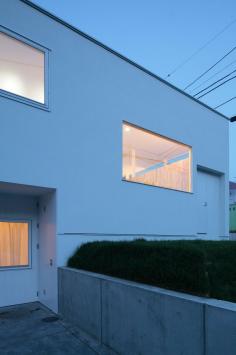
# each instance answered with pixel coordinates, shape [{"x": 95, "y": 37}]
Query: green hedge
[{"x": 205, "y": 268}]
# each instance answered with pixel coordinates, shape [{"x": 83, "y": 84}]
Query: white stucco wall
[{"x": 76, "y": 147}]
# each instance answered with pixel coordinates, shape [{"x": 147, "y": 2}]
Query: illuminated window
[
  {"x": 21, "y": 69},
  {"x": 14, "y": 244},
  {"x": 151, "y": 159}
]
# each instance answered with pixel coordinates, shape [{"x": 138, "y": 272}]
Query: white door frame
[{"x": 220, "y": 176}]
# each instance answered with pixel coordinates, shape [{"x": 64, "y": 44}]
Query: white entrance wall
[
  {"x": 20, "y": 285},
  {"x": 36, "y": 205}
]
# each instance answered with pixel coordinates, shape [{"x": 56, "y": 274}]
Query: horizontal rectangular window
[
  {"x": 151, "y": 159},
  {"x": 21, "y": 69},
  {"x": 14, "y": 244}
]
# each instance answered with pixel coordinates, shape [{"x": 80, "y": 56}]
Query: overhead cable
[
  {"x": 211, "y": 67},
  {"x": 215, "y": 82},
  {"x": 185, "y": 61},
  {"x": 225, "y": 102},
  {"x": 212, "y": 76},
  {"x": 224, "y": 82}
]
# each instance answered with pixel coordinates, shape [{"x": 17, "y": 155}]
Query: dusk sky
[{"x": 160, "y": 35}]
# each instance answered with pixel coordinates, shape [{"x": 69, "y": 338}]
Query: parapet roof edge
[{"x": 121, "y": 56}]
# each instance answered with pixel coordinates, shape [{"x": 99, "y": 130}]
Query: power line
[
  {"x": 225, "y": 102},
  {"x": 179, "y": 66},
  {"x": 211, "y": 77},
  {"x": 224, "y": 82},
  {"x": 206, "y": 71},
  {"x": 217, "y": 81}
]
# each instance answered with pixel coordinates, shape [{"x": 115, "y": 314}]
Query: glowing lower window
[
  {"x": 21, "y": 69},
  {"x": 152, "y": 159},
  {"x": 14, "y": 244}
]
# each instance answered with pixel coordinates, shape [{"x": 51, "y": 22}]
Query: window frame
[
  {"x": 23, "y": 99},
  {"x": 20, "y": 267},
  {"x": 164, "y": 137}
]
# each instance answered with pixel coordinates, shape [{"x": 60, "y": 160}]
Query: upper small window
[
  {"x": 152, "y": 159},
  {"x": 21, "y": 69}
]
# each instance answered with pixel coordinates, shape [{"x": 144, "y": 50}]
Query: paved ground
[{"x": 33, "y": 329}]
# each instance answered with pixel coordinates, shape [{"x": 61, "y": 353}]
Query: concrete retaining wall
[{"x": 132, "y": 318}]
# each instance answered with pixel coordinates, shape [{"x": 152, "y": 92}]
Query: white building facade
[{"x": 94, "y": 147}]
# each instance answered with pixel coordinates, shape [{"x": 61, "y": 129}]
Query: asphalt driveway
[{"x": 33, "y": 329}]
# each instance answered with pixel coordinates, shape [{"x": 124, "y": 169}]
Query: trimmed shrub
[
  {"x": 204, "y": 268},
  {"x": 221, "y": 268},
  {"x": 173, "y": 265}
]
